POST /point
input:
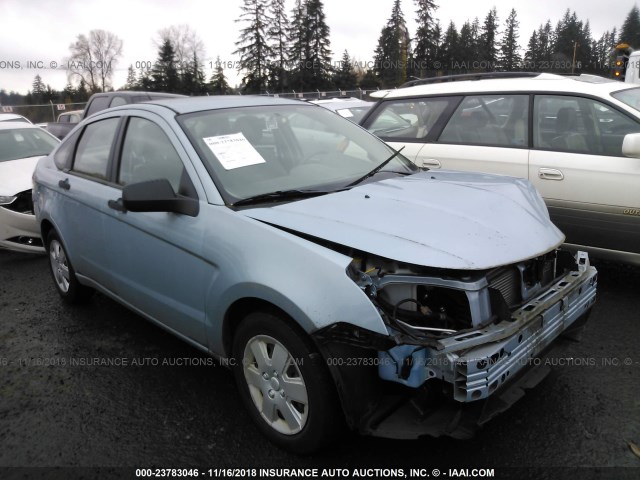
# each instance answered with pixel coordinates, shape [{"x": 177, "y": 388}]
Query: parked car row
[{"x": 341, "y": 282}]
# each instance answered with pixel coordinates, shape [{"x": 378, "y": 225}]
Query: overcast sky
[{"x": 42, "y": 30}]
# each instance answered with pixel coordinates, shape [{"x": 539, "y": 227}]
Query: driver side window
[{"x": 147, "y": 154}]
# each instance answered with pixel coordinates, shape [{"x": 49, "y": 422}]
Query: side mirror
[
  {"x": 631, "y": 145},
  {"x": 157, "y": 196}
]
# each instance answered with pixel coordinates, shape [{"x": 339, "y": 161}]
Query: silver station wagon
[{"x": 342, "y": 284}]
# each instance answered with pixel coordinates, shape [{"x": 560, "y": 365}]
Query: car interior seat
[{"x": 567, "y": 138}]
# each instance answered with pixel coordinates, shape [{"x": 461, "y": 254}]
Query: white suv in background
[{"x": 576, "y": 138}]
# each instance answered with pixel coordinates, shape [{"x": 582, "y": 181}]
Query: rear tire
[
  {"x": 64, "y": 276},
  {"x": 285, "y": 385}
]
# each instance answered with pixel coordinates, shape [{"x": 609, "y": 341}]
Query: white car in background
[
  {"x": 21, "y": 146},
  {"x": 13, "y": 117},
  {"x": 577, "y": 139},
  {"x": 352, "y": 109}
]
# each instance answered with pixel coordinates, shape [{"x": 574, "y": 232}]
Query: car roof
[
  {"x": 12, "y": 115},
  {"x": 182, "y": 105},
  {"x": 545, "y": 82},
  {"x": 137, "y": 93},
  {"x": 17, "y": 125}
]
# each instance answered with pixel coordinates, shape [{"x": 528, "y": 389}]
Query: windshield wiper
[
  {"x": 378, "y": 168},
  {"x": 279, "y": 195}
]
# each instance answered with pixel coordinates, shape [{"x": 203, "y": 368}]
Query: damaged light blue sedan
[{"x": 342, "y": 284}]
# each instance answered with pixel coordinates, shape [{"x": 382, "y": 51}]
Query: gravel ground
[{"x": 59, "y": 407}]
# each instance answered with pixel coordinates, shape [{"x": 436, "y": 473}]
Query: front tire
[
  {"x": 64, "y": 276},
  {"x": 284, "y": 384}
]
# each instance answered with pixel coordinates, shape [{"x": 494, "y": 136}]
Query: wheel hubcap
[
  {"x": 276, "y": 385},
  {"x": 59, "y": 266}
]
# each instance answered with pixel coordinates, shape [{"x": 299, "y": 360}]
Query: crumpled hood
[
  {"x": 443, "y": 219},
  {"x": 15, "y": 175}
]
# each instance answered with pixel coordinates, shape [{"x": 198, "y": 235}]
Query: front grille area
[{"x": 22, "y": 204}]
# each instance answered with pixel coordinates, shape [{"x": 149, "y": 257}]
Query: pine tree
[
  {"x": 450, "y": 47},
  {"x": 601, "y": 53},
  {"x": 369, "y": 80},
  {"x": 532, "y": 54},
  {"x": 297, "y": 42},
  {"x": 630, "y": 32},
  {"x": 392, "y": 50},
  {"x": 467, "y": 51},
  {"x": 192, "y": 81},
  {"x": 488, "y": 40},
  {"x": 164, "y": 74},
  {"x": 68, "y": 93},
  {"x": 436, "y": 46},
  {"x": 309, "y": 53},
  {"x": 319, "y": 58},
  {"x": 345, "y": 77},
  {"x": 252, "y": 46},
  {"x": 132, "y": 81},
  {"x": 82, "y": 94},
  {"x": 38, "y": 89},
  {"x": 547, "y": 41},
  {"x": 218, "y": 84},
  {"x": 509, "y": 58},
  {"x": 571, "y": 34},
  {"x": 424, "y": 36},
  {"x": 278, "y": 39},
  {"x": 584, "y": 56}
]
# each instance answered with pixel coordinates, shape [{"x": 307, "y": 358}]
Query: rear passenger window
[
  {"x": 408, "y": 119},
  {"x": 117, "y": 101},
  {"x": 494, "y": 120},
  {"x": 579, "y": 125},
  {"x": 97, "y": 104},
  {"x": 92, "y": 155}
]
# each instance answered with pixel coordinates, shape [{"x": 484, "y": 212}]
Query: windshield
[
  {"x": 630, "y": 96},
  {"x": 25, "y": 142},
  {"x": 251, "y": 151}
]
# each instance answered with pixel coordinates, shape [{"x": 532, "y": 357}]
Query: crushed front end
[{"x": 460, "y": 344}]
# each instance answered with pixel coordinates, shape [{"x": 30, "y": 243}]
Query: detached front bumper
[{"x": 479, "y": 362}]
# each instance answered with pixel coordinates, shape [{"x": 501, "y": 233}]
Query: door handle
[
  {"x": 117, "y": 205},
  {"x": 64, "y": 184},
  {"x": 431, "y": 163},
  {"x": 550, "y": 174}
]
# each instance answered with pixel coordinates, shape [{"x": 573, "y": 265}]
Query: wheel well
[
  {"x": 45, "y": 228},
  {"x": 243, "y": 307}
]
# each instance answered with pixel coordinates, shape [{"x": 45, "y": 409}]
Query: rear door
[
  {"x": 84, "y": 190},
  {"x": 486, "y": 133},
  {"x": 577, "y": 165}
]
